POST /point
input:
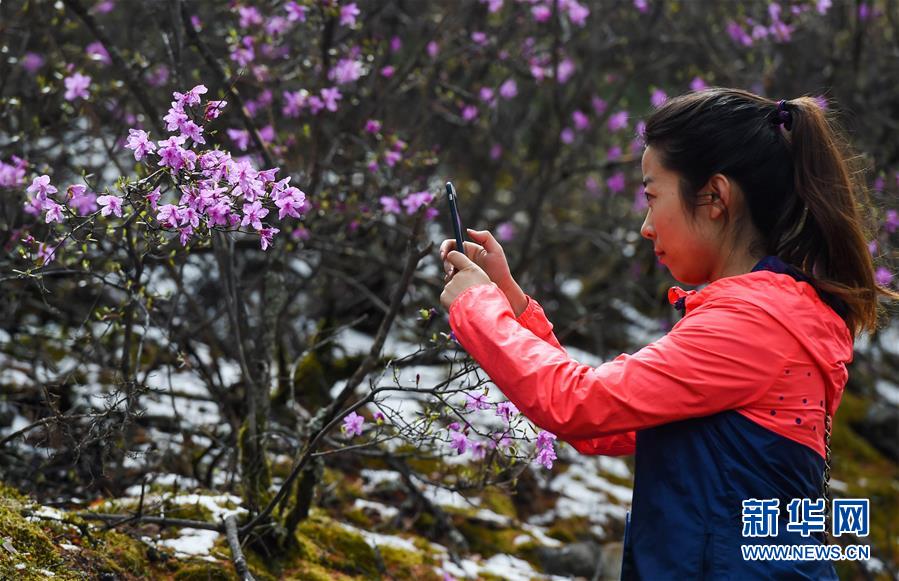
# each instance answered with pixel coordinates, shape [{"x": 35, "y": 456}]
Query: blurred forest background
[{"x": 196, "y": 388}]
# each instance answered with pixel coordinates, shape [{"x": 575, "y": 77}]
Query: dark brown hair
[{"x": 800, "y": 191}]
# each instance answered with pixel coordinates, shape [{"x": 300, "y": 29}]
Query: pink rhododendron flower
[
  {"x": 294, "y": 102},
  {"x": 476, "y": 402},
  {"x": 414, "y": 201},
  {"x": 191, "y": 97},
  {"x": 214, "y": 109},
  {"x": 330, "y": 97},
  {"x": 139, "y": 141},
  {"x": 505, "y": 231},
  {"x": 265, "y": 237},
  {"x": 167, "y": 215},
  {"x": 567, "y": 136},
  {"x": 469, "y": 113},
  {"x": 348, "y": 14},
  {"x": 387, "y": 71},
  {"x": 506, "y": 410},
  {"x": 53, "y": 211},
  {"x": 433, "y": 49},
  {"x": 41, "y": 187},
  {"x": 346, "y": 71},
  {"x": 883, "y": 276},
  {"x": 249, "y": 16},
  {"x": 618, "y": 121},
  {"x": 541, "y": 12},
  {"x": 76, "y": 87},
  {"x": 658, "y": 98},
  {"x": 372, "y": 126},
  {"x": 599, "y": 105},
  {"x": 352, "y": 424},
  {"x": 153, "y": 198},
  {"x": 616, "y": 183},
  {"x": 458, "y": 442},
  {"x": 184, "y": 234},
  {"x": 581, "y": 121},
  {"x": 508, "y": 89},
  {"x": 295, "y": 12},
  {"x": 110, "y": 205},
  {"x": 46, "y": 253},
  {"x": 32, "y": 62},
  {"x": 390, "y": 205},
  {"x": 697, "y": 84},
  {"x": 253, "y": 214},
  {"x": 565, "y": 70},
  {"x": 642, "y": 6},
  {"x": 891, "y": 223},
  {"x": 81, "y": 200},
  {"x": 577, "y": 13},
  {"x": 493, "y": 6},
  {"x": 97, "y": 51}
]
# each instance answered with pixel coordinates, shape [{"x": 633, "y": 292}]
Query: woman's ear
[{"x": 718, "y": 194}]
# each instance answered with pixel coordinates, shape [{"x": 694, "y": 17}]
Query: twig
[
  {"x": 120, "y": 519},
  {"x": 240, "y": 562},
  {"x": 130, "y": 77},
  {"x": 216, "y": 67},
  {"x": 330, "y": 416},
  {"x": 44, "y": 422}
]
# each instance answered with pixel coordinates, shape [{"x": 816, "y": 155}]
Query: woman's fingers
[{"x": 485, "y": 238}]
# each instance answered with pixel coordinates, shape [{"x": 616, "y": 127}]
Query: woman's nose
[{"x": 646, "y": 230}]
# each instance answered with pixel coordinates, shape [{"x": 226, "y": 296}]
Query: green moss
[
  {"x": 405, "y": 564},
  {"x": 499, "y": 502},
  {"x": 569, "y": 530},
  {"x": 866, "y": 472},
  {"x": 488, "y": 541},
  {"x": 257, "y": 478},
  {"x": 33, "y": 547},
  {"x": 204, "y": 572},
  {"x": 126, "y": 553},
  {"x": 342, "y": 549}
]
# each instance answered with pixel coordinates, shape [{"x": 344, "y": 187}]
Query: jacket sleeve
[
  {"x": 714, "y": 359},
  {"x": 534, "y": 320}
]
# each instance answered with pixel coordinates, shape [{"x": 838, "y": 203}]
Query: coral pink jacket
[{"x": 762, "y": 344}]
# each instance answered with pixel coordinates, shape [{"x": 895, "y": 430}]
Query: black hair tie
[{"x": 783, "y": 116}]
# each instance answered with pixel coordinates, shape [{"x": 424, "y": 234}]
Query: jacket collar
[{"x": 678, "y": 296}]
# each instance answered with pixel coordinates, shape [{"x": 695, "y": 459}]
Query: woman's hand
[
  {"x": 487, "y": 253},
  {"x": 462, "y": 274}
]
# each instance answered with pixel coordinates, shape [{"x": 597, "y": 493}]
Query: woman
[{"x": 755, "y": 198}]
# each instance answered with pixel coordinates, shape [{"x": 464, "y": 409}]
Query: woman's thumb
[{"x": 458, "y": 260}]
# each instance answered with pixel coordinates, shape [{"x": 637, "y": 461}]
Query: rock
[
  {"x": 573, "y": 560},
  {"x": 610, "y": 561}
]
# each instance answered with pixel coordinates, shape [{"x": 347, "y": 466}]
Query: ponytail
[
  {"x": 825, "y": 235},
  {"x": 795, "y": 171}
]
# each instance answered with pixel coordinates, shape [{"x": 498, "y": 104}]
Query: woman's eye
[{"x": 648, "y": 196}]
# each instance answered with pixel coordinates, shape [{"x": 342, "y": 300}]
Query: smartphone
[{"x": 454, "y": 216}]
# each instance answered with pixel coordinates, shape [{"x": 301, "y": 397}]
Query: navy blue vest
[{"x": 690, "y": 480}]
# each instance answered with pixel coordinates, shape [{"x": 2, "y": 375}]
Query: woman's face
[{"x": 689, "y": 248}]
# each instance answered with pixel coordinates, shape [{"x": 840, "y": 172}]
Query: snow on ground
[
  {"x": 377, "y": 539},
  {"x": 191, "y": 543},
  {"x": 386, "y": 512}
]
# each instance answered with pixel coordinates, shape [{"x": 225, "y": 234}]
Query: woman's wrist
[{"x": 516, "y": 297}]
